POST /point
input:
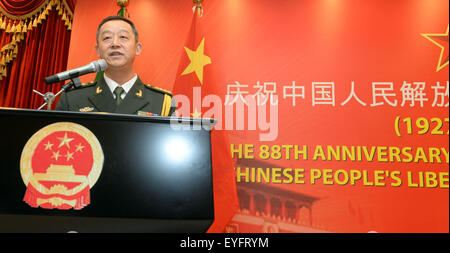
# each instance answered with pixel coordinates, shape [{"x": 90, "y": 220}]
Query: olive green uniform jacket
[{"x": 141, "y": 99}]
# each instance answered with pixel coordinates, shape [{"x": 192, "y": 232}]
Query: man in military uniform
[{"x": 119, "y": 90}]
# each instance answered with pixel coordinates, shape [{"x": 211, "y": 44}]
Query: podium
[{"x": 98, "y": 172}]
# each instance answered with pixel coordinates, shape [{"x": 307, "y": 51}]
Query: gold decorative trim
[
  {"x": 38, "y": 10},
  {"x": 20, "y": 25},
  {"x": 166, "y": 105},
  {"x": 25, "y": 16}
]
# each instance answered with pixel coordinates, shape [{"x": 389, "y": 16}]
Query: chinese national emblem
[{"x": 59, "y": 165}]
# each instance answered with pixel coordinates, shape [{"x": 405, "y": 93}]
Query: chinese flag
[{"x": 195, "y": 71}]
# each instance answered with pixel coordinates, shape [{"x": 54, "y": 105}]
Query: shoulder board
[
  {"x": 158, "y": 89},
  {"x": 88, "y": 84},
  {"x": 83, "y": 85}
]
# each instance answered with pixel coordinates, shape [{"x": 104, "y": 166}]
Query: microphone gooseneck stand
[{"x": 49, "y": 97}]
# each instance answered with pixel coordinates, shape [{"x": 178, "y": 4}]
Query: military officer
[{"x": 119, "y": 90}]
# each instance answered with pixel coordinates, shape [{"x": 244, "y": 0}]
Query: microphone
[{"x": 95, "y": 66}]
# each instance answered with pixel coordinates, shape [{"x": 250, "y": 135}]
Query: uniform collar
[
  {"x": 113, "y": 84},
  {"x": 104, "y": 101}
]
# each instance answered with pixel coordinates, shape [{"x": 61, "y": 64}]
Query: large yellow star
[
  {"x": 440, "y": 40},
  {"x": 198, "y": 61}
]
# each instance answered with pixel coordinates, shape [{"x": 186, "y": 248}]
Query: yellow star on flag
[
  {"x": 198, "y": 61},
  {"x": 440, "y": 40},
  {"x": 196, "y": 114}
]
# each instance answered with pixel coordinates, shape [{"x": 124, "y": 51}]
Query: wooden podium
[{"x": 97, "y": 172}]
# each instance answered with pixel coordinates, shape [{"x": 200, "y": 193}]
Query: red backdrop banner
[{"x": 336, "y": 111}]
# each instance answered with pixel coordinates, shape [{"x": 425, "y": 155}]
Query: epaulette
[
  {"x": 88, "y": 84},
  {"x": 158, "y": 89},
  {"x": 83, "y": 85}
]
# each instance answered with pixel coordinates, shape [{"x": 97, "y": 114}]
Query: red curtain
[
  {"x": 42, "y": 52},
  {"x": 20, "y": 7}
]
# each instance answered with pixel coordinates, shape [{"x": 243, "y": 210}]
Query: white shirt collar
[{"x": 126, "y": 86}]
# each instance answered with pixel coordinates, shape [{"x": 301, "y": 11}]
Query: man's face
[{"x": 117, "y": 44}]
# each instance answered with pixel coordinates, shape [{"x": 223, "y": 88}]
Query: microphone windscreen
[
  {"x": 100, "y": 65},
  {"x": 51, "y": 79}
]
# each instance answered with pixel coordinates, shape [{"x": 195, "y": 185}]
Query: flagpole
[
  {"x": 122, "y": 11},
  {"x": 198, "y": 6},
  {"x": 123, "y": 8}
]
